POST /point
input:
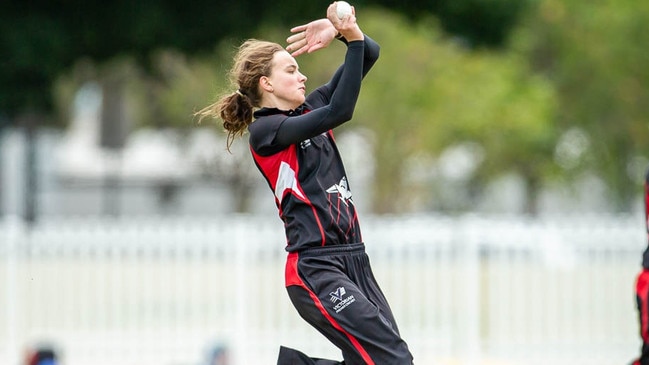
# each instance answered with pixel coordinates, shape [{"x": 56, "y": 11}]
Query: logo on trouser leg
[{"x": 338, "y": 297}]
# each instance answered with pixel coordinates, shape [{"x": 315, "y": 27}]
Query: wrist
[
  {"x": 351, "y": 34},
  {"x": 353, "y": 37}
]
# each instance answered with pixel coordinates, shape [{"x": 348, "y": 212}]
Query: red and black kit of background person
[{"x": 642, "y": 287}]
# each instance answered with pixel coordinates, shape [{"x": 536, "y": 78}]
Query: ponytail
[
  {"x": 235, "y": 110},
  {"x": 252, "y": 61}
]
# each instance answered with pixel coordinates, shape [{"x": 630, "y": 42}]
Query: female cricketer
[
  {"x": 642, "y": 288},
  {"x": 328, "y": 275}
]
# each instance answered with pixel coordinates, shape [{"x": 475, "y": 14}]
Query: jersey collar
[{"x": 263, "y": 112}]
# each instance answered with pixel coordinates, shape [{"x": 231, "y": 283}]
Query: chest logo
[
  {"x": 342, "y": 191},
  {"x": 306, "y": 143}
]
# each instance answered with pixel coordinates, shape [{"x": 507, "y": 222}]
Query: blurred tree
[
  {"x": 428, "y": 94},
  {"x": 40, "y": 39},
  {"x": 593, "y": 53},
  {"x": 479, "y": 22}
]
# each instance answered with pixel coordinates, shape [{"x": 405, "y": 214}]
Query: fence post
[
  {"x": 15, "y": 234},
  {"x": 469, "y": 296},
  {"x": 241, "y": 307}
]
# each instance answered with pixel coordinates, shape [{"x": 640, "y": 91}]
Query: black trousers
[{"x": 334, "y": 290}]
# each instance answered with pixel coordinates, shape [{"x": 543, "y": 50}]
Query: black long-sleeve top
[{"x": 296, "y": 153}]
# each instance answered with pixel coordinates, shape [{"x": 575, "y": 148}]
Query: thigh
[
  {"x": 333, "y": 303},
  {"x": 364, "y": 278}
]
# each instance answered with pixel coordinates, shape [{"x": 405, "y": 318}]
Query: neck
[{"x": 271, "y": 102}]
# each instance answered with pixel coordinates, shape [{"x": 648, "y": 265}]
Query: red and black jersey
[{"x": 296, "y": 153}]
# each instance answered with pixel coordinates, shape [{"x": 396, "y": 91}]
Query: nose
[{"x": 303, "y": 77}]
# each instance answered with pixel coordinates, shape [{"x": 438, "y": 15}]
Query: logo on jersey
[
  {"x": 306, "y": 143},
  {"x": 341, "y": 189},
  {"x": 338, "y": 294},
  {"x": 339, "y": 298}
]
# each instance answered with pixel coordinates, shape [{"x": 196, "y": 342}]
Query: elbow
[
  {"x": 346, "y": 114},
  {"x": 373, "y": 49},
  {"x": 342, "y": 114}
]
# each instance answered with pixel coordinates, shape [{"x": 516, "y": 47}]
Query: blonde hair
[{"x": 252, "y": 61}]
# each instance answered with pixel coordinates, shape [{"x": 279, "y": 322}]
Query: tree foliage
[
  {"x": 561, "y": 90},
  {"x": 41, "y": 39},
  {"x": 428, "y": 94},
  {"x": 593, "y": 54}
]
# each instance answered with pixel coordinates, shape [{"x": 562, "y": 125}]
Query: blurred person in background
[
  {"x": 218, "y": 355},
  {"x": 328, "y": 275},
  {"x": 642, "y": 287},
  {"x": 41, "y": 355}
]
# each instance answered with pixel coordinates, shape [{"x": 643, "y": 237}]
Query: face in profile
[{"x": 286, "y": 82}]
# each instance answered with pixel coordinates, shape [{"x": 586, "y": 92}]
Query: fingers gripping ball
[{"x": 343, "y": 9}]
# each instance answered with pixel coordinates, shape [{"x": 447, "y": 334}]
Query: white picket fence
[{"x": 465, "y": 290}]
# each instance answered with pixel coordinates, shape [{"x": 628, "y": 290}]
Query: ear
[{"x": 264, "y": 84}]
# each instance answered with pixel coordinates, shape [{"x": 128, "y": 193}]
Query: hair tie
[{"x": 239, "y": 92}]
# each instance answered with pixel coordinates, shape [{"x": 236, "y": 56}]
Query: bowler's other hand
[{"x": 311, "y": 37}]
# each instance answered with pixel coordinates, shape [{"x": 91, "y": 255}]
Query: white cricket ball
[{"x": 343, "y": 8}]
